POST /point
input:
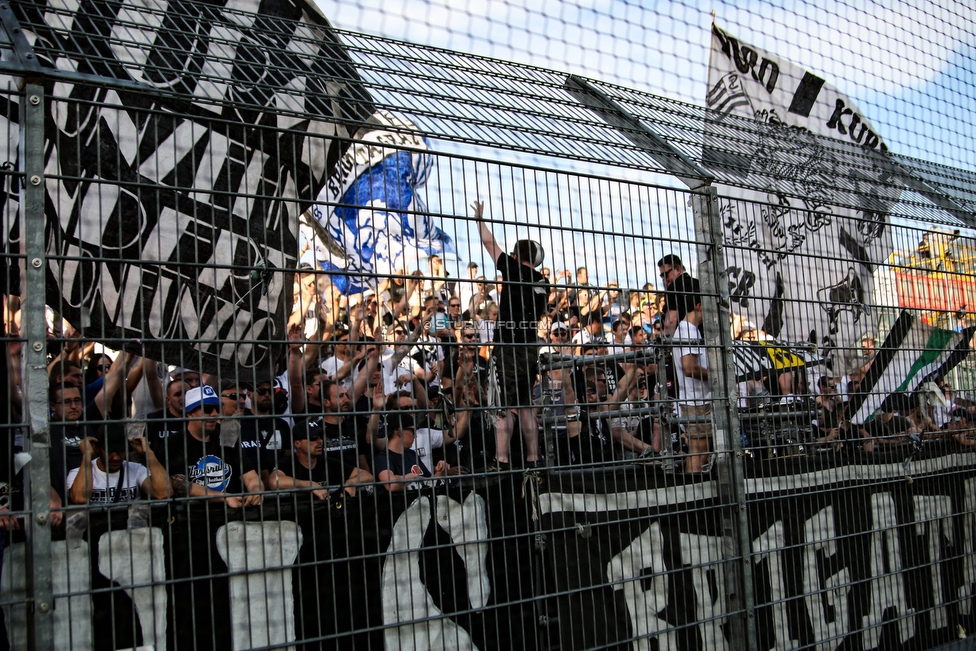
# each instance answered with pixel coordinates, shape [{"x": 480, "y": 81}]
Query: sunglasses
[
  {"x": 559, "y": 333},
  {"x": 263, "y": 391},
  {"x": 666, "y": 272},
  {"x": 211, "y": 409},
  {"x": 455, "y": 305},
  {"x": 232, "y": 396},
  {"x": 470, "y": 337}
]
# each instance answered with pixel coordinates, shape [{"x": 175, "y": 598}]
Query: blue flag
[{"x": 370, "y": 217}]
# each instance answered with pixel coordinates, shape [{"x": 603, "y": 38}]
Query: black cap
[
  {"x": 307, "y": 428},
  {"x": 112, "y": 436},
  {"x": 398, "y": 420}
]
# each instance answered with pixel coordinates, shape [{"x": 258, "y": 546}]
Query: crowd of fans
[{"x": 425, "y": 376}]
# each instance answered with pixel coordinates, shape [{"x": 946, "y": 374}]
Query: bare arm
[
  {"x": 397, "y": 483},
  {"x": 670, "y": 322},
  {"x": 296, "y": 368},
  {"x": 151, "y": 372},
  {"x": 691, "y": 368},
  {"x": 281, "y": 481},
  {"x": 81, "y": 488},
  {"x": 487, "y": 237},
  {"x": 157, "y": 486},
  {"x": 113, "y": 381}
]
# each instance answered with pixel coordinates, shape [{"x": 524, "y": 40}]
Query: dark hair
[
  {"x": 54, "y": 387},
  {"x": 671, "y": 260},
  {"x": 325, "y": 386},
  {"x": 398, "y": 420},
  {"x": 393, "y": 400},
  {"x": 311, "y": 375},
  {"x": 112, "y": 436}
]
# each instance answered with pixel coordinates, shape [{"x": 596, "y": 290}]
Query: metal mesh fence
[{"x": 324, "y": 340}]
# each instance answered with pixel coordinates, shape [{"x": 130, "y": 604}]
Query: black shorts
[{"x": 516, "y": 367}]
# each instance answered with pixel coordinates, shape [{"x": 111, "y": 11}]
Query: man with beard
[
  {"x": 308, "y": 469},
  {"x": 347, "y": 447},
  {"x": 264, "y": 434},
  {"x": 399, "y": 466},
  {"x": 199, "y": 466}
]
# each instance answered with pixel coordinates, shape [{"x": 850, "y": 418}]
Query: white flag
[{"x": 805, "y": 216}]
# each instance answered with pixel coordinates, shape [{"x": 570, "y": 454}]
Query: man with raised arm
[{"x": 515, "y": 355}]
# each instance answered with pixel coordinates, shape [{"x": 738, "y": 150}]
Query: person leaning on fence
[
  {"x": 691, "y": 369},
  {"x": 307, "y": 468},
  {"x": 961, "y": 429},
  {"x": 399, "y": 467},
  {"x": 107, "y": 477},
  {"x": 515, "y": 355},
  {"x": 199, "y": 466}
]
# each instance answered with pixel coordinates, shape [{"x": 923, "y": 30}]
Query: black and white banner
[
  {"x": 804, "y": 217},
  {"x": 869, "y": 554},
  {"x": 850, "y": 557},
  {"x": 172, "y": 214}
]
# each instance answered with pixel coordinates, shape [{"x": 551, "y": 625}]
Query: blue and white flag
[{"x": 371, "y": 218}]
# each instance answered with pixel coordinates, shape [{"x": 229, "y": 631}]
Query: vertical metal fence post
[
  {"x": 38, "y": 491},
  {"x": 725, "y": 420}
]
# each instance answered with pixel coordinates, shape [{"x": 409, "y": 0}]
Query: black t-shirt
[
  {"x": 160, "y": 425},
  {"x": 319, "y": 474},
  {"x": 264, "y": 440},
  {"x": 678, "y": 294},
  {"x": 452, "y": 365},
  {"x": 342, "y": 445},
  {"x": 401, "y": 464},
  {"x": 208, "y": 464},
  {"x": 525, "y": 293}
]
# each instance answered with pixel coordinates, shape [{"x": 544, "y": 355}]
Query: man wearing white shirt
[
  {"x": 691, "y": 364},
  {"x": 341, "y": 366},
  {"x": 106, "y": 477},
  {"x": 592, "y": 331}
]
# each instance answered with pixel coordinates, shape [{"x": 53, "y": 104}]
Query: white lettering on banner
[
  {"x": 825, "y": 588},
  {"x": 406, "y": 598},
  {"x": 887, "y": 592},
  {"x": 933, "y": 520},
  {"x": 134, "y": 557},
  {"x": 639, "y": 571},
  {"x": 968, "y": 550},
  {"x": 71, "y": 615},
  {"x": 766, "y": 550},
  {"x": 821, "y": 569},
  {"x": 259, "y": 556},
  {"x": 704, "y": 554}
]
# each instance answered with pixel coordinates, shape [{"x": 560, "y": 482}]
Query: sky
[{"x": 908, "y": 65}]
